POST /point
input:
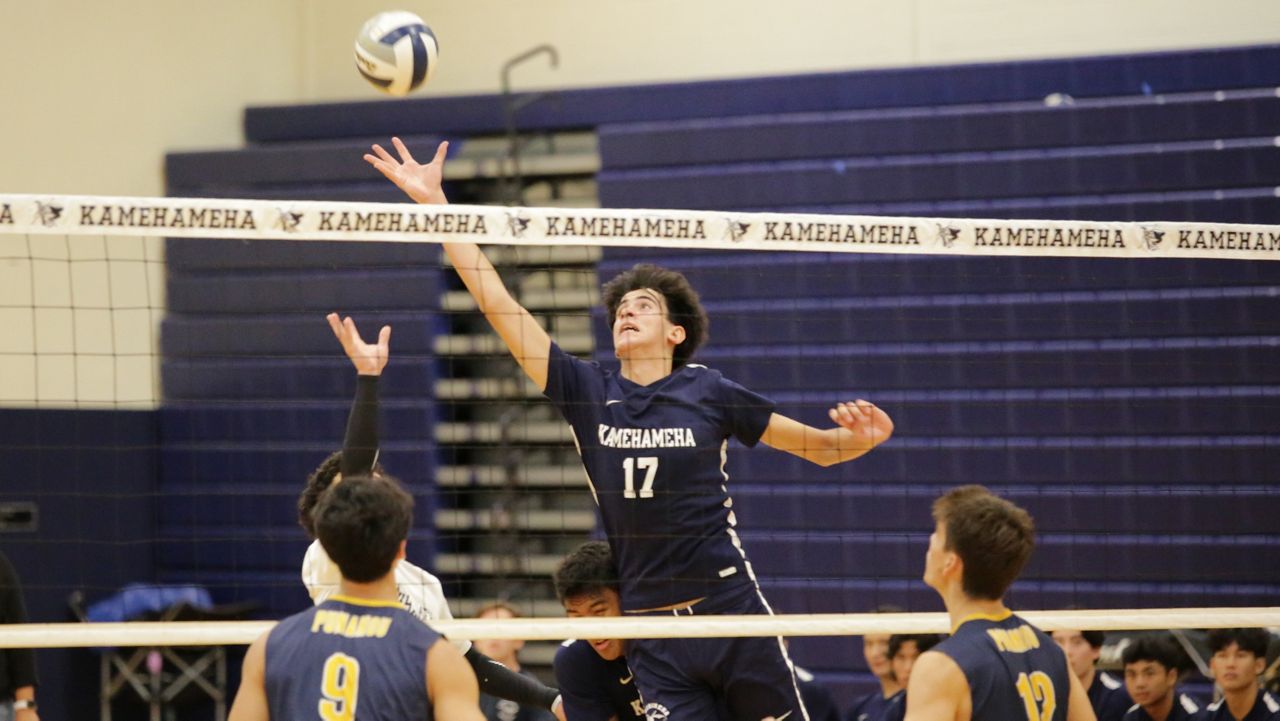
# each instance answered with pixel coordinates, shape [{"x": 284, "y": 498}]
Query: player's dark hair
[
  {"x": 684, "y": 308},
  {"x": 1094, "y": 638},
  {"x": 1161, "y": 649},
  {"x": 993, "y": 537},
  {"x": 320, "y": 479},
  {"x": 1250, "y": 640},
  {"x": 588, "y": 570},
  {"x": 924, "y": 642},
  {"x": 361, "y": 523}
]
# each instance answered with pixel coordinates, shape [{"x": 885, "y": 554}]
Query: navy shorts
[{"x": 701, "y": 679}]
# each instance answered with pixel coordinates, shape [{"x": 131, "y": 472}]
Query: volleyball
[{"x": 396, "y": 52}]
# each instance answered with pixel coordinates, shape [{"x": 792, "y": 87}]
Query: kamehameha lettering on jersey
[{"x": 611, "y": 437}]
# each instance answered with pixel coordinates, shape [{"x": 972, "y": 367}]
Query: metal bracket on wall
[{"x": 19, "y": 517}]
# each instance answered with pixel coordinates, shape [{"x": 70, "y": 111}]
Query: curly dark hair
[
  {"x": 361, "y": 523},
  {"x": 684, "y": 308},
  {"x": 320, "y": 479},
  {"x": 589, "y": 569}
]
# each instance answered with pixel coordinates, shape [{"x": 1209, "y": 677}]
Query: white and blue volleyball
[{"x": 396, "y": 52}]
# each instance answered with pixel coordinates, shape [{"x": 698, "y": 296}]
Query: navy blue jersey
[
  {"x": 1015, "y": 670},
  {"x": 1184, "y": 709},
  {"x": 1265, "y": 708},
  {"x": 594, "y": 689},
  {"x": 895, "y": 708},
  {"x": 355, "y": 658},
  {"x": 655, "y": 459},
  {"x": 1108, "y": 697},
  {"x": 868, "y": 708}
]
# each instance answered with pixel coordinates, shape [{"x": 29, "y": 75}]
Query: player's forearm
[
  {"x": 360, "y": 445},
  {"x": 527, "y": 341},
  {"x": 481, "y": 279},
  {"x": 832, "y": 446},
  {"x": 500, "y": 681}
]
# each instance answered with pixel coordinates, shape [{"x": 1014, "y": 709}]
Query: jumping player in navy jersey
[
  {"x": 652, "y": 438},
  {"x": 994, "y": 665},
  {"x": 359, "y": 654}
]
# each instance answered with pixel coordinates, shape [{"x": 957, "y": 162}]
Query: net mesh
[{"x": 165, "y": 408}]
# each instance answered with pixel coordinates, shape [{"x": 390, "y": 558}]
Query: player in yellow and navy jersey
[
  {"x": 995, "y": 665},
  {"x": 359, "y": 654}
]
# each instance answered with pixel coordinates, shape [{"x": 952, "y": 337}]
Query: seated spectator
[
  {"x": 505, "y": 651},
  {"x": 1107, "y": 695},
  {"x": 1151, "y": 668},
  {"x": 875, "y": 648},
  {"x": 1239, "y": 657},
  {"x": 903, "y": 652}
]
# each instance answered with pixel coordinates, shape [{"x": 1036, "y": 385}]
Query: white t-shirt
[{"x": 420, "y": 592}]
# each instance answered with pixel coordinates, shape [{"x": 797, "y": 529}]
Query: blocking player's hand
[
  {"x": 869, "y": 425},
  {"x": 423, "y": 183},
  {"x": 368, "y": 359}
]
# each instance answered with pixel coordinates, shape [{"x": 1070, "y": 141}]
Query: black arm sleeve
[
  {"x": 360, "y": 446},
  {"x": 498, "y": 680},
  {"x": 18, "y": 665}
]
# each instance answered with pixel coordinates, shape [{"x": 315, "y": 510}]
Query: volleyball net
[{"x": 169, "y": 381}]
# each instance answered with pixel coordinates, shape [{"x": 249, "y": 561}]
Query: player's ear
[
  {"x": 400, "y": 554},
  {"x": 676, "y": 334}
]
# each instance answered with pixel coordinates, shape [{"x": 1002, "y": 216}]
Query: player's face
[
  {"x": 935, "y": 557},
  {"x": 1149, "y": 682},
  {"x": 641, "y": 325},
  {"x": 1080, "y": 654},
  {"x": 904, "y": 660},
  {"x": 1235, "y": 669},
  {"x": 875, "y": 649},
  {"x": 603, "y": 604}
]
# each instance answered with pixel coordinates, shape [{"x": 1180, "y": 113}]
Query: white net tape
[
  {"x": 556, "y": 629},
  {"x": 298, "y": 220}
]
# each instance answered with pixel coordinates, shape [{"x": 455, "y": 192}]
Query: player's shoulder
[
  {"x": 1109, "y": 682},
  {"x": 575, "y": 651},
  {"x": 1271, "y": 703},
  {"x": 416, "y": 575}
]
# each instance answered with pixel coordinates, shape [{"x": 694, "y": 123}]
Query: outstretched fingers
[{"x": 403, "y": 150}]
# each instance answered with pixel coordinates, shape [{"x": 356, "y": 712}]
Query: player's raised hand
[
  {"x": 423, "y": 183},
  {"x": 369, "y": 360},
  {"x": 870, "y": 425}
]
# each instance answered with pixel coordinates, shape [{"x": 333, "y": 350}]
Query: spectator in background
[
  {"x": 1107, "y": 695},
  {"x": 1151, "y": 668},
  {"x": 903, "y": 651},
  {"x": 17, "y": 665},
  {"x": 875, "y": 648},
  {"x": 1239, "y": 657},
  {"x": 506, "y": 652}
]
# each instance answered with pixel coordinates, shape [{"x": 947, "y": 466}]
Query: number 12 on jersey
[
  {"x": 648, "y": 464},
  {"x": 1037, "y": 695}
]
